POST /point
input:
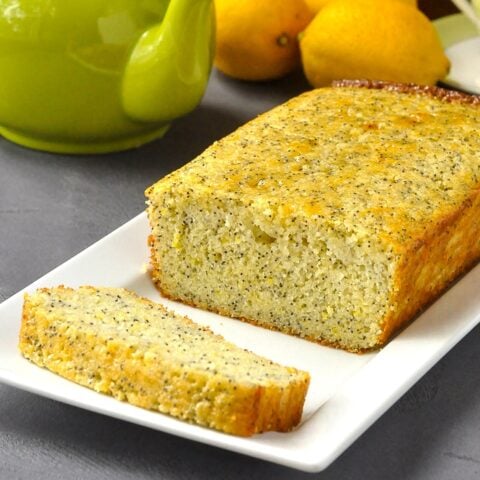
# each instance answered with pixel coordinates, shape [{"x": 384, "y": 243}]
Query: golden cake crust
[{"x": 411, "y": 89}]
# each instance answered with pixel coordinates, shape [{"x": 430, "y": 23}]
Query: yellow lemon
[
  {"x": 316, "y": 5},
  {"x": 257, "y": 39},
  {"x": 372, "y": 39}
]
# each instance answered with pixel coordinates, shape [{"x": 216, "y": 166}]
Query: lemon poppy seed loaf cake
[
  {"x": 336, "y": 217},
  {"x": 117, "y": 343}
]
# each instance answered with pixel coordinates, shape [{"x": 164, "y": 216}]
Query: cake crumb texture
[
  {"x": 337, "y": 216},
  {"x": 119, "y": 344}
]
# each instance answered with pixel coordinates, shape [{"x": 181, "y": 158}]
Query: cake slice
[
  {"x": 336, "y": 217},
  {"x": 114, "y": 342}
]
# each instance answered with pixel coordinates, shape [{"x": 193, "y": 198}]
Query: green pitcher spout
[{"x": 169, "y": 67}]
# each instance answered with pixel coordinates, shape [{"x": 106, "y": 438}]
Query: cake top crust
[{"x": 368, "y": 157}]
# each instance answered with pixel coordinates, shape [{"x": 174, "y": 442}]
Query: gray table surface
[{"x": 53, "y": 206}]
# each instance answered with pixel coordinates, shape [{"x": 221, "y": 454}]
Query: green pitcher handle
[{"x": 169, "y": 67}]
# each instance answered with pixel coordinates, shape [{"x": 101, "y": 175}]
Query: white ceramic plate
[
  {"x": 461, "y": 42},
  {"x": 348, "y": 392}
]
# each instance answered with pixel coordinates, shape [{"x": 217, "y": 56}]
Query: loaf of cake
[
  {"x": 117, "y": 343},
  {"x": 337, "y": 216}
]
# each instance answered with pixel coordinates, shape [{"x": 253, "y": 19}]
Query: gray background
[{"x": 53, "y": 206}]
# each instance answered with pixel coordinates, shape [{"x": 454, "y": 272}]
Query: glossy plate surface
[
  {"x": 461, "y": 41},
  {"x": 348, "y": 392}
]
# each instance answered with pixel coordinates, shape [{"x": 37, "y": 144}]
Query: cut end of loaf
[
  {"x": 128, "y": 347},
  {"x": 291, "y": 276}
]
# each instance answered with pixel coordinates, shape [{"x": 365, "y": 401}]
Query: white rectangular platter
[{"x": 347, "y": 394}]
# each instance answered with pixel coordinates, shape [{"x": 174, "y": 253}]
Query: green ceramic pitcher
[{"x": 93, "y": 76}]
